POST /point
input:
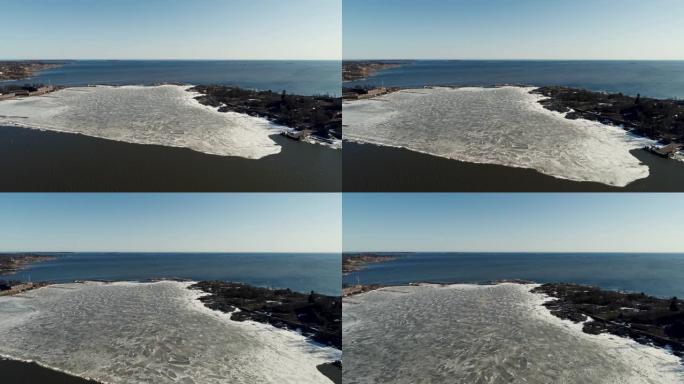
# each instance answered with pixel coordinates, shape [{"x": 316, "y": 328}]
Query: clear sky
[
  {"x": 513, "y": 29},
  {"x": 499, "y": 222},
  {"x": 189, "y": 222},
  {"x": 171, "y": 29}
]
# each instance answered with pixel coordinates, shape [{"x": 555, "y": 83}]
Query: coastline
[
  {"x": 412, "y": 171},
  {"x": 57, "y": 161}
]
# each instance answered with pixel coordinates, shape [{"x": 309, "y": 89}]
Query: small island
[
  {"x": 17, "y": 70},
  {"x": 361, "y": 69},
  {"x": 657, "y": 119},
  {"x": 646, "y": 319},
  {"x": 356, "y": 262},
  {"x": 312, "y": 117}
]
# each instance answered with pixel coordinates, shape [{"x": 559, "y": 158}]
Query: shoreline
[
  {"x": 352, "y": 262},
  {"x": 283, "y": 110},
  {"x": 26, "y": 69},
  {"x": 11, "y": 263}
]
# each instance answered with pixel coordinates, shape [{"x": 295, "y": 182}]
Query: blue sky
[
  {"x": 170, "y": 29},
  {"x": 513, "y": 29},
  {"x": 498, "y": 222},
  {"x": 190, "y": 222}
]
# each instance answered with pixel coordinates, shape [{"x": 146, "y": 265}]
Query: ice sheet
[
  {"x": 151, "y": 333},
  {"x": 163, "y": 115},
  {"x": 485, "y": 334},
  {"x": 505, "y": 126}
]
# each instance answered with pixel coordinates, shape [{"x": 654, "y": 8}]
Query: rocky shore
[
  {"x": 315, "y": 315},
  {"x": 646, "y": 319},
  {"x": 656, "y": 119},
  {"x": 13, "y": 262},
  {"x": 17, "y": 70},
  {"x": 361, "y": 69},
  {"x": 355, "y": 262},
  {"x": 317, "y": 116}
]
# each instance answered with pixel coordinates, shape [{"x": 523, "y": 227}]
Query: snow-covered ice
[
  {"x": 485, "y": 334},
  {"x": 505, "y": 126},
  {"x": 164, "y": 115},
  {"x": 151, "y": 333}
]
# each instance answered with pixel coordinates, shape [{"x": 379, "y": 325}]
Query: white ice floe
[
  {"x": 151, "y": 333},
  {"x": 485, "y": 334},
  {"x": 164, "y": 115},
  {"x": 505, "y": 126}
]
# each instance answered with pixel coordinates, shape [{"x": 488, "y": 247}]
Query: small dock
[{"x": 667, "y": 151}]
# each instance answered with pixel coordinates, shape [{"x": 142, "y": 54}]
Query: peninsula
[
  {"x": 646, "y": 319},
  {"x": 657, "y": 119},
  {"x": 361, "y": 69},
  {"x": 17, "y": 70},
  {"x": 355, "y": 262},
  {"x": 13, "y": 262},
  {"x": 319, "y": 116}
]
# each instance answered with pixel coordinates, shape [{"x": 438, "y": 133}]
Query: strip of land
[
  {"x": 317, "y": 117},
  {"x": 361, "y": 69},
  {"x": 657, "y": 119},
  {"x": 355, "y": 262},
  {"x": 13, "y": 262},
  {"x": 17, "y": 70},
  {"x": 646, "y": 319}
]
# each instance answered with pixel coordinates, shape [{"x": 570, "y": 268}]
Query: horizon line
[
  {"x": 100, "y": 251},
  {"x": 633, "y": 252},
  {"x": 501, "y": 59},
  {"x": 165, "y": 59}
]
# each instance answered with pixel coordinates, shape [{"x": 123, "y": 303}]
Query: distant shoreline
[{"x": 24, "y": 69}]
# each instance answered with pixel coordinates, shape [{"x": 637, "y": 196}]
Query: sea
[
  {"x": 659, "y": 79},
  {"x": 657, "y": 274},
  {"x": 301, "y": 272},
  {"x": 297, "y": 77}
]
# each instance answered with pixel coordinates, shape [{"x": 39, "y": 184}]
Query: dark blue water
[
  {"x": 301, "y": 272},
  {"x": 299, "y": 77},
  {"x": 654, "y": 274},
  {"x": 660, "y": 79}
]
